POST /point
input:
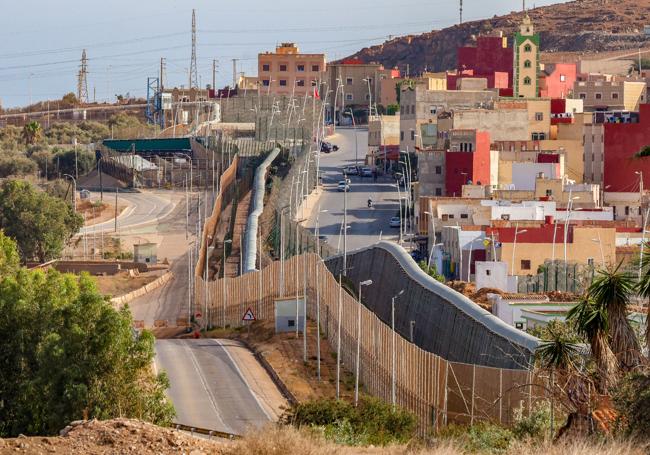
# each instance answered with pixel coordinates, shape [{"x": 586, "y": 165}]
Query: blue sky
[{"x": 41, "y": 40}]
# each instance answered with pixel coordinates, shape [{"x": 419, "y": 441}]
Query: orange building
[{"x": 286, "y": 71}]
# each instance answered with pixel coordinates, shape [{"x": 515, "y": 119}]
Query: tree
[
  {"x": 66, "y": 159},
  {"x": 40, "y": 224},
  {"x": 610, "y": 292},
  {"x": 31, "y": 132},
  {"x": 69, "y": 99},
  {"x": 590, "y": 320},
  {"x": 67, "y": 354}
]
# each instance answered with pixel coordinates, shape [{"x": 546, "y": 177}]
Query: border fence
[{"x": 437, "y": 391}]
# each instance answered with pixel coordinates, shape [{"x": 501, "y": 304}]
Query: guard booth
[
  {"x": 145, "y": 253},
  {"x": 285, "y": 314}
]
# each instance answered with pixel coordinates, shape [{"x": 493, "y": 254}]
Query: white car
[
  {"x": 366, "y": 172},
  {"x": 350, "y": 170},
  {"x": 395, "y": 222},
  {"x": 343, "y": 185}
]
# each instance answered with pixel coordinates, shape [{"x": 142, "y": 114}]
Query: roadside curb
[
  {"x": 126, "y": 298},
  {"x": 284, "y": 390}
]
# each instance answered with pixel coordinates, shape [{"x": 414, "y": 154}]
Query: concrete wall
[
  {"x": 503, "y": 125},
  {"x": 493, "y": 275}
]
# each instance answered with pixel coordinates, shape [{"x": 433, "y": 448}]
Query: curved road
[
  {"x": 218, "y": 385},
  {"x": 142, "y": 209}
]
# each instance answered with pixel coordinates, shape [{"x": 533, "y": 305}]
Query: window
[
  {"x": 412, "y": 135},
  {"x": 562, "y": 78},
  {"x": 527, "y": 48},
  {"x": 599, "y": 96},
  {"x": 315, "y": 68},
  {"x": 283, "y": 82},
  {"x": 614, "y": 96},
  {"x": 519, "y": 325},
  {"x": 539, "y": 116},
  {"x": 464, "y": 216},
  {"x": 266, "y": 82},
  {"x": 283, "y": 67},
  {"x": 445, "y": 217},
  {"x": 438, "y": 191},
  {"x": 451, "y": 216},
  {"x": 527, "y": 81},
  {"x": 291, "y": 323},
  {"x": 488, "y": 272},
  {"x": 627, "y": 210},
  {"x": 525, "y": 264},
  {"x": 401, "y": 135},
  {"x": 438, "y": 170},
  {"x": 349, "y": 97},
  {"x": 549, "y": 192},
  {"x": 300, "y": 68},
  {"x": 348, "y": 81},
  {"x": 266, "y": 67},
  {"x": 300, "y": 82},
  {"x": 433, "y": 110},
  {"x": 527, "y": 64},
  {"x": 583, "y": 96}
]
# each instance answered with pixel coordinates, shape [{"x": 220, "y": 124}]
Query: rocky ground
[{"x": 118, "y": 436}]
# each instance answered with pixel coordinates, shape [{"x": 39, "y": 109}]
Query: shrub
[
  {"x": 535, "y": 426},
  {"x": 482, "y": 437},
  {"x": 632, "y": 400},
  {"x": 371, "y": 422}
]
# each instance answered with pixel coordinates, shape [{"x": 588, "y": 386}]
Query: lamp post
[
  {"x": 318, "y": 292},
  {"x": 600, "y": 245},
  {"x": 356, "y": 145},
  {"x": 223, "y": 316},
  {"x": 208, "y": 248},
  {"x": 399, "y": 200},
  {"x": 191, "y": 176},
  {"x": 566, "y": 223},
  {"x": 433, "y": 243},
  {"x": 367, "y": 79},
  {"x": 393, "y": 388},
  {"x": 514, "y": 246},
  {"x": 338, "y": 340},
  {"x": 74, "y": 192},
  {"x": 356, "y": 367},
  {"x": 282, "y": 247}
]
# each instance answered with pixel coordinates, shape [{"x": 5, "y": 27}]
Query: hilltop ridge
[{"x": 581, "y": 26}]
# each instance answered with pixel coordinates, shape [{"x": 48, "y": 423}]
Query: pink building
[
  {"x": 557, "y": 80},
  {"x": 490, "y": 56}
]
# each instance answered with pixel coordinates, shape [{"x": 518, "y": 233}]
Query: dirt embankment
[{"x": 582, "y": 26}]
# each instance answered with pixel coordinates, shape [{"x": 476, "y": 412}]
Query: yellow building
[
  {"x": 286, "y": 71},
  {"x": 526, "y": 65},
  {"x": 585, "y": 244}
]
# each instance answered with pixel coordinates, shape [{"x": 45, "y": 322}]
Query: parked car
[
  {"x": 344, "y": 185},
  {"x": 351, "y": 170},
  {"x": 366, "y": 172},
  {"x": 395, "y": 222}
]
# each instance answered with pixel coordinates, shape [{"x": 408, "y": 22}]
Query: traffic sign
[{"x": 248, "y": 315}]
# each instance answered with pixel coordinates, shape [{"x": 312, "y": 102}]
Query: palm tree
[
  {"x": 30, "y": 133},
  {"x": 611, "y": 291},
  {"x": 590, "y": 321}
]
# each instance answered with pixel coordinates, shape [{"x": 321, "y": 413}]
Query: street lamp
[
  {"x": 356, "y": 146},
  {"x": 514, "y": 246},
  {"x": 356, "y": 376},
  {"x": 74, "y": 192},
  {"x": 223, "y": 316},
  {"x": 205, "y": 281},
  {"x": 433, "y": 226},
  {"x": 567, "y": 222},
  {"x": 318, "y": 292},
  {"x": 600, "y": 245},
  {"x": 393, "y": 373},
  {"x": 367, "y": 79}
]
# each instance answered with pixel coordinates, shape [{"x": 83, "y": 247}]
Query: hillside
[{"x": 581, "y": 26}]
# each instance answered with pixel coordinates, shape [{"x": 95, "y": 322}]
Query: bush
[
  {"x": 372, "y": 422},
  {"x": 632, "y": 400},
  {"x": 482, "y": 437},
  {"x": 536, "y": 426}
]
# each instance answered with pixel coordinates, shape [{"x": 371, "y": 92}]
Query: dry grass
[{"x": 285, "y": 440}]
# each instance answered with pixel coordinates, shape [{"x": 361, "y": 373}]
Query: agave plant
[
  {"x": 611, "y": 291},
  {"x": 590, "y": 321}
]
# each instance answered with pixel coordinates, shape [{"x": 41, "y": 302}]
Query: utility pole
[
  {"x": 162, "y": 74},
  {"x": 194, "y": 74},
  {"x": 461, "y": 11},
  {"x": 214, "y": 74},
  {"x": 82, "y": 81},
  {"x": 234, "y": 72}
]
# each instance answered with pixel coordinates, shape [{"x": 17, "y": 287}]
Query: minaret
[{"x": 526, "y": 65}]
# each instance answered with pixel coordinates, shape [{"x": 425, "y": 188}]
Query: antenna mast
[
  {"x": 461, "y": 11},
  {"x": 194, "y": 74},
  {"x": 82, "y": 81}
]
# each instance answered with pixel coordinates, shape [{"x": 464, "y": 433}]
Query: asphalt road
[
  {"x": 144, "y": 208},
  {"x": 366, "y": 225},
  {"x": 217, "y": 385}
]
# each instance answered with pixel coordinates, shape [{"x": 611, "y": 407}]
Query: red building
[
  {"x": 500, "y": 80},
  {"x": 490, "y": 56},
  {"x": 622, "y": 141},
  {"x": 557, "y": 80},
  {"x": 467, "y": 160}
]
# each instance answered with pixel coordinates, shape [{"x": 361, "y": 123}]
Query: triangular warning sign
[{"x": 248, "y": 315}]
